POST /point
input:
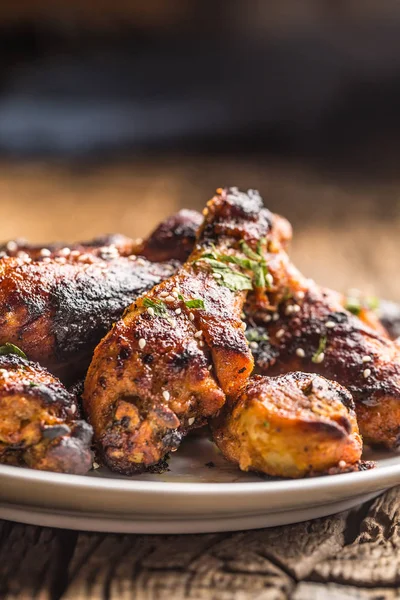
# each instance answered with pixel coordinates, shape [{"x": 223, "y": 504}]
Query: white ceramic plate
[{"x": 194, "y": 496}]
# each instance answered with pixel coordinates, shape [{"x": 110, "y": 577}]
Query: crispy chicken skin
[
  {"x": 314, "y": 333},
  {"x": 57, "y": 310},
  {"x": 290, "y": 426},
  {"x": 166, "y": 366},
  {"x": 60, "y": 301},
  {"x": 39, "y": 425}
]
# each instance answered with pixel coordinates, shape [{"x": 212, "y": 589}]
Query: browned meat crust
[
  {"x": 313, "y": 333},
  {"x": 167, "y": 365},
  {"x": 39, "y": 425},
  {"x": 57, "y": 309},
  {"x": 290, "y": 426}
]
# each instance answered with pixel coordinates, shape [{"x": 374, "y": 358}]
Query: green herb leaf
[
  {"x": 235, "y": 281},
  {"x": 266, "y": 424},
  {"x": 158, "y": 307},
  {"x": 253, "y": 335},
  {"x": 195, "y": 303},
  {"x": 320, "y": 350},
  {"x": 9, "y": 348},
  {"x": 249, "y": 252},
  {"x": 353, "y": 305},
  {"x": 372, "y": 302}
]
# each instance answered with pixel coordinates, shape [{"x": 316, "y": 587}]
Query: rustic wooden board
[{"x": 351, "y": 555}]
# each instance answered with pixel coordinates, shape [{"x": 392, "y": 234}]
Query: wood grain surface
[
  {"x": 346, "y": 234},
  {"x": 351, "y": 555}
]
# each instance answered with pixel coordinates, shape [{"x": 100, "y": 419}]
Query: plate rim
[{"x": 381, "y": 474}]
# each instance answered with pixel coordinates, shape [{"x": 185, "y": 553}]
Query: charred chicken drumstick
[
  {"x": 59, "y": 302},
  {"x": 180, "y": 351},
  {"x": 307, "y": 329},
  {"x": 290, "y": 426},
  {"x": 169, "y": 363},
  {"x": 39, "y": 425}
]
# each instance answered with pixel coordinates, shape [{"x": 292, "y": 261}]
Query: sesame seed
[
  {"x": 175, "y": 289},
  {"x": 45, "y": 252},
  {"x": 132, "y": 257},
  {"x": 166, "y": 395},
  {"x": 244, "y": 326},
  {"x": 73, "y": 408},
  {"x": 289, "y": 309},
  {"x": 269, "y": 278},
  {"x": 342, "y": 464},
  {"x": 172, "y": 322},
  {"x": 141, "y": 262},
  {"x": 191, "y": 316},
  {"x": 175, "y": 294},
  {"x": 75, "y": 253},
  {"x": 320, "y": 358},
  {"x": 217, "y": 276},
  {"x": 164, "y": 294},
  {"x": 96, "y": 465},
  {"x": 150, "y": 310},
  {"x": 178, "y": 311},
  {"x": 275, "y": 316},
  {"x": 190, "y": 421},
  {"x": 11, "y": 246},
  {"x": 300, "y": 295},
  {"x": 65, "y": 251},
  {"x": 142, "y": 343},
  {"x": 46, "y": 260},
  {"x": 367, "y": 373},
  {"x": 169, "y": 299},
  {"x": 330, "y": 324},
  {"x": 210, "y": 367},
  {"x": 267, "y": 318},
  {"x": 300, "y": 352},
  {"x": 280, "y": 333},
  {"x": 366, "y": 359},
  {"x": 198, "y": 334},
  {"x": 201, "y": 344},
  {"x": 296, "y": 308},
  {"x": 253, "y": 345},
  {"x": 61, "y": 260}
]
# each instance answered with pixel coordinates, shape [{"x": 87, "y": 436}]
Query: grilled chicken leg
[
  {"x": 290, "y": 426},
  {"x": 309, "y": 330},
  {"x": 39, "y": 427},
  {"x": 180, "y": 349}
]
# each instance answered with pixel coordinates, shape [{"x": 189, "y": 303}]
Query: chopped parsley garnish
[
  {"x": 266, "y": 424},
  {"x": 195, "y": 303},
  {"x": 253, "y": 335},
  {"x": 157, "y": 305},
  {"x": 9, "y": 348},
  {"x": 236, "y": 280},
  {"x": 320, "y": 350},
  {"x": 353, "y": 305},
  {"x": 356, "y": 304}
]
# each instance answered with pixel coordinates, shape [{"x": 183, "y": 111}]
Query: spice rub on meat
[
  {"x": 309, "y": 330},
  {"x": 39, "y": 420},
  {"x": 180, "y": 349},
  {"x": 60, "y": 301},
  {"x": 57, "y": 310},
  {"x": 290, "y": 426}
]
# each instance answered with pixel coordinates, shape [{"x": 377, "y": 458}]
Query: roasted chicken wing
[
  {"x": 180, "y": 349},
  {"x": 290, "y": 426},
  {"x": 39, "y": 424}
]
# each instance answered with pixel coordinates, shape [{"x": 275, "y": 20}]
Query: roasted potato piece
[
  {"x": 290, "y": 426},
  {"x": 39, "y": 424}
]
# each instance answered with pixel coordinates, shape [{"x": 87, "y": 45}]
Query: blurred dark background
[{"x": 114, "y": 114}]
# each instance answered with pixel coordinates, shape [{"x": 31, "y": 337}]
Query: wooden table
[
  {"x": 351, "y": 225},
  {"x": 351, "y": 555}
]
